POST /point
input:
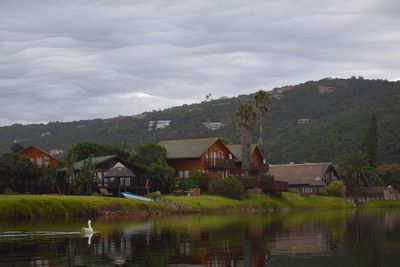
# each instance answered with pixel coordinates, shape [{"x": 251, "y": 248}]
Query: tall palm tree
[
  {"x": 355, "y": 166},
  {"x": 245, "y": 118},
  {"x": 263, "y": 105}
]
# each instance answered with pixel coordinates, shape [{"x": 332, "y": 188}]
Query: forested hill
[{"x": 312, "y": 121}]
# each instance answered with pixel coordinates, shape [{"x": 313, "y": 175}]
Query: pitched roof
[
  {"x": 187, "y": 148},
  {"x": 96, "y": 160},
  {"x": 237, "y": 150},
  {"x": 38, "y": 148},
  {"x": 305, "y": 173},
  {"x": 119, "y": 170}
]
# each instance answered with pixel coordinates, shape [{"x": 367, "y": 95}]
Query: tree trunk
[
  {"x": 261, "y": 141},
  {"x": 245, "y": 152}
]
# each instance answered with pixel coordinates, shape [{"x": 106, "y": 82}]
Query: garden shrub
[
  {"x": 229, "y": 187},
  {"x": 193, "y": 181},
  {"x": 334, "y": 188},
  {"x": 154, "y": 195}
]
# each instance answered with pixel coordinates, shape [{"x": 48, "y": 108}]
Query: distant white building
[
  {"x": 304, "y": 121},
  {"x": 56, "y": 151},
  {"x": 158, "y": 124},
  {"x": 213, "y": 125},
  {"x": 45, "y": 134}
]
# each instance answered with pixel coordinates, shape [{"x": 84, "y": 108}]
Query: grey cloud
[{"x": 70, "y": 60}]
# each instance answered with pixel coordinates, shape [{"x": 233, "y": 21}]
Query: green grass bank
[
  {"x": 257, "y": 203},
  {"x": 382, "y": 204},
  {"x": 16, "y": 207}
]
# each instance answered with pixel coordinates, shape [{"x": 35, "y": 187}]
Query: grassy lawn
[
  {"x": 46, "y": 206},
  {"x": 35, "y": 206},
  {"x": 287, "y": 201},
  {"x": 382, "y": 204}
]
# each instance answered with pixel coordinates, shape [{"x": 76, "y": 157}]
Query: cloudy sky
[{"x": 70, "y": 60}]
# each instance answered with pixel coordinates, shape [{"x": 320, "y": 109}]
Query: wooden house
[
  {"x": 139, "y": 184},
  {"x": 257, "y": 164},
  {"x": 216, "y": 161},
  {"x": 305, "y": 178},
  {"x": 209, "y": 155},
  {"x": 40, "y": 158}
]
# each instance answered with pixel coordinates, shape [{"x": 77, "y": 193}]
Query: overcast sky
[{"x": 71, "y": 60}]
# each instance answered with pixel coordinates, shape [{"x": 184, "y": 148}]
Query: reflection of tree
[{"x": 365, "y": 237}]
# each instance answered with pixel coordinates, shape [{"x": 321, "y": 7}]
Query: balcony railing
[{"x": 220, "y": 163}]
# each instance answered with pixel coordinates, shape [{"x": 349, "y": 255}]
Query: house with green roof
[
  {"x": 216, "y": 160},
  {"x": 209, "y": 155},
  {"x": 138, "y": 183}
]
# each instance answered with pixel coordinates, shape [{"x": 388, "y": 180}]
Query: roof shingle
[{"x": 187, "y": 148}]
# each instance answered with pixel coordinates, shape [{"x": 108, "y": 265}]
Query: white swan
[{"x": 89, "y": 230}]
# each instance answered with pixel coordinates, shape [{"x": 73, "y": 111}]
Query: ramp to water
[{"x": 133, "y": 196}]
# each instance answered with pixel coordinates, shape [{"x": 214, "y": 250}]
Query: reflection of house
[
  {"x": 140, "y": 184},
  {"x": 305, "y": 178},
  {"x": 209, "y": 155},
  {"x": 257, "y": 164},
  {"x": 39, "y": 157}
]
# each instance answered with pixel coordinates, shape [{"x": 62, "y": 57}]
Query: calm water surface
[{"x": 340, "y": 238}]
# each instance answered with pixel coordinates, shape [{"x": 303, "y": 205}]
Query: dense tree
[
  {"x": 16, "y": 148},
  {"x": 87, "y": 176},
  {"x": 84, "y": 150},
  {"x": 15, "y": 169},
  {"x": 390, "y": 174},
  {"x": 370, "y": 143},
  {"x": 356, "y": 168},
  {"x": 245, "y": 119},
  {"x": 153, "y": 158},
  {"x": 263, "y": 105}
]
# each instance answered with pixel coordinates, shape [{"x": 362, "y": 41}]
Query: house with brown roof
[
  {"x": 305, "y": 178},
  {"x": 209, "y": 155},
  {"x": 39, "y": 157}
]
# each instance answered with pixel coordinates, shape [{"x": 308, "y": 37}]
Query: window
[
  {"x": 181, "y": 174},
  {"x": 46, "y": 162},
  {"x": 125, "y": 181},
  {"x": 186, "y": 174},
  {"x": 39, "y": 162}
]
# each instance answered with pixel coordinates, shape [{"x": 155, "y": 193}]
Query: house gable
[{"x": 39, "y": 157}]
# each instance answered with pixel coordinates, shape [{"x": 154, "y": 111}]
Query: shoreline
[{"x": 38, "y": 207}]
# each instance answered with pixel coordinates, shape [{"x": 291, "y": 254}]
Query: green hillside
[{"x": 336, "y": 113}]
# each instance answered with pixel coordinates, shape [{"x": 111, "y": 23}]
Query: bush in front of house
[
  {"x": 334, "y": 188},
  {"x": 193, "y": 181},
  {"x": 229, "y": 187}
]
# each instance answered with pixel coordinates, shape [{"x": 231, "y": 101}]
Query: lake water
[{"x": 340, "y": 238}]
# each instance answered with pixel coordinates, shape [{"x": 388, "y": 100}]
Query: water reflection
[{"x": 344, "y": 238}]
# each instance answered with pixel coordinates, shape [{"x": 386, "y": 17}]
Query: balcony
[{"x": 220, "y": 164}]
